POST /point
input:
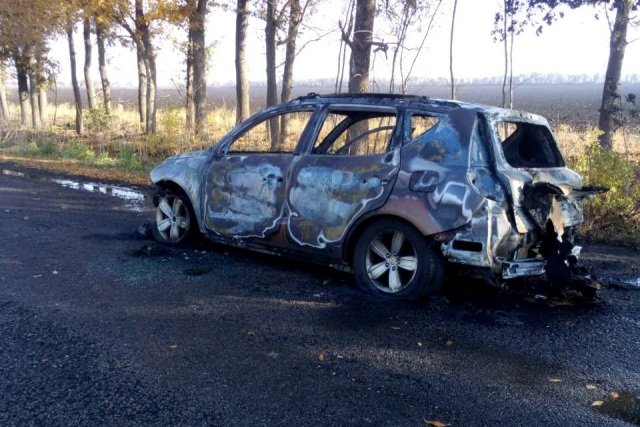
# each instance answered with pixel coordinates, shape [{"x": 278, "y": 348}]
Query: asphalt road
[{"x": 99, "y": 326}]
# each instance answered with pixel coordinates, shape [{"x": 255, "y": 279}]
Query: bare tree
[
  {"x": 361, "y": 46},
  {"x": 199, "y": 67},
  {"x": 453, "y": 25},
  {"x": 33, "y": 88},
  {"x": 611, "y": 98},
  {"x": 88, "y": 49},
  {"x": 242, "y": 82},
  {"x": 101, "y": 31},
  {"x": 4, "y": 107},
  {"x": 43, "y": 85},
  {"x": 142, "y": 85},
  {"x": 271, "y": 27},
  {"x": 74, "y": 80},
  {"x": 23, "y": 88}
]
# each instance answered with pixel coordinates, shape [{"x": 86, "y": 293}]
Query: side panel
[
  {"x": 245, "y": 194},
  {"x": 432, "y": 190},
  {"x": 328, "y": 193}
]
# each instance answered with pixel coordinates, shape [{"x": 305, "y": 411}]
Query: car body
[{"x": 390, "y": 187}]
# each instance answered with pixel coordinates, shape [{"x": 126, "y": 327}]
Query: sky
[{"x": 577, "y": 44}]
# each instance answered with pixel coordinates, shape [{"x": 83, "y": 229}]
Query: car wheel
[
  {"x": 393, "y": 259},
  {"x": 175, "y": 221}
]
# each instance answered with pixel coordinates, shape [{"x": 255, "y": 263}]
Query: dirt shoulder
[{"x": 74, "y": 167}]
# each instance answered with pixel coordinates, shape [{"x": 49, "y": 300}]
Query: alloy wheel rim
[
  {"x": 391, "y": 261},
  {"x": 172, "y": 219}
]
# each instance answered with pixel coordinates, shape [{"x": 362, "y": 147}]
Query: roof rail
[{"x": 374, "y": 95}]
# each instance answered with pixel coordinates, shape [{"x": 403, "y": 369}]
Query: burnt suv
[{"x": 389, "y": 187}]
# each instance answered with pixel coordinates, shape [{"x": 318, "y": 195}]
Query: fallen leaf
[
  {"x": 597, "y": 403},
  {"x": 590, "y": 386},
  {"x": 555, "y": 380},
  {"x": 434, "y": 423},
  {"x": 173, "y": 346},
  {"x": 614, "y": 395},
  {"x": 251, "y": 334},
  {"x": 322, "y": 357}
]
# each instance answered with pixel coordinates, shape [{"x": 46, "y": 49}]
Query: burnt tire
[
  {"x": 392, "y": 259},
  {"x": 175, "y": 221}
]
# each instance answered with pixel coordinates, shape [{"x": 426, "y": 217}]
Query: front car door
[
  {"x": 349, "y": 170},
  {"x": 247, "y": 178}
]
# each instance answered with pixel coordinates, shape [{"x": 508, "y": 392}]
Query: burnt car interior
[
  {"x": 527, "y": 145},
  {"x": 276, "y": 134},
  {"x": 355, "y": 133}
]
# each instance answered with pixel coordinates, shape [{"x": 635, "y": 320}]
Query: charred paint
[
  {"x": 328, "y": 193},
  {"x": 245, "y": 195},
  {"x": 452, "y": 183}
]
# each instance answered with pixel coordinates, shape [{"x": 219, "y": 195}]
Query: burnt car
[{"x": 389, "y": 187}]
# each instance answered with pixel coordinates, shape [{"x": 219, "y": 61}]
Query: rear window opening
[{"x": 528, "y": 145}]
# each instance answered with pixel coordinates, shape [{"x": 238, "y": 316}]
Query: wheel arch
[
  {"x": 357, "y": 229},
  {"x": 176, "y": 188}
]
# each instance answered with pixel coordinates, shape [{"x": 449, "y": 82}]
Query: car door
[
  {"x": 349, "y": 170},
  {"x": 247, "y": 177}
]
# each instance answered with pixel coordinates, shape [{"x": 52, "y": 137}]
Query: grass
[{"x": 115, "y": 148}]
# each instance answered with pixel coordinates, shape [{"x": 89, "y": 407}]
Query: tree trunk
[
  {"x": 506, "y": 54},
  {"x": 142, "y": 87},
  {"x": 453, "y": 25},
  {"x": 191, "y": 112},
  {"x": 200, "y": 69},
  {"x": 361, "y": 46},
  {"x": 23, "y": 91},
  {"x": 4, "y": 107},
  {"x": 33, "y": 89},
  {"x": 611, "y": 98},
  {"x": 102, "y": 64},
  {"x": 295, "y": 18},
  {"x": 74, "y": 81},
  {"x": 43, "y": 104},
  {"x": 43, "y": 86},
  {"x": 272, "y": 83},
  {"x": 149, "y": 57},
  {"x": 88, "y": 82},
  {"x": 242, "y": 82}
]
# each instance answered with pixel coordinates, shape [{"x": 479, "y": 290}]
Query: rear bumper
[
  {"x": 529, "y": 266},
  {"x": 523, "y": 267}
]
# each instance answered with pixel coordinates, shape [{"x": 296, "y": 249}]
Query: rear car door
[{"x": 349, "y": 170}]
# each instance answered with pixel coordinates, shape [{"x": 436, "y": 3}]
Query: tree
[
  {"x": 282, "y": 26},
  {"x": 74, "y": 79},
  {"x": 611, "y": 98},
  {"x": 360, "y": 46},
  {"x": 101, "y": 23},
  {"x": 137, "y": 22},
  {"x": 88, "y": 49},
  {"x": 199, "y": 66},
  {"x": 4, "y": 108},
  {"x": 242, "y": 82},
  {"x": 24, "y": 29},
  {"x": 453, "y": 24},
  {"x": 273, "y": 18}
]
